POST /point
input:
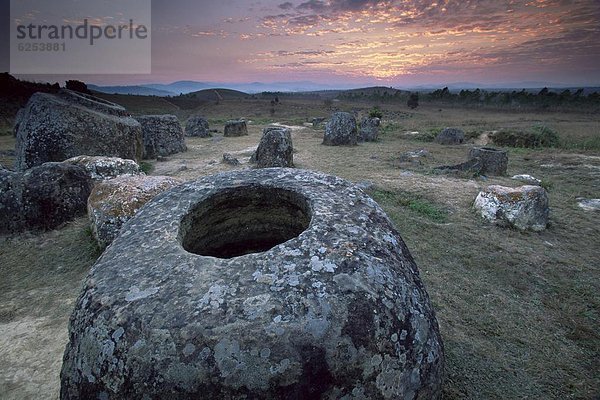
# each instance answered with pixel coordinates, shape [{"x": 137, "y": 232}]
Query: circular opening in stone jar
[{"x": 244, "y": 220}]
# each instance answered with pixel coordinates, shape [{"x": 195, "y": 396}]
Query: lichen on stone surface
[
  {"x": 113, "y": 202},
  {"x": 56, "y": 127},
  {"x": 101, "y": 168},
  {"x": 162, "y": 135},
  {"x": 336, "y": 311},
  {"x": 524, "y": 207}
]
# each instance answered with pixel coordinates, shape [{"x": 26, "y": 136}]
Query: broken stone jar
[{"x": 269, "y": 283}]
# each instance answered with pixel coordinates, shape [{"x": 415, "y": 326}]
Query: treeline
[
  {"x": 14, "y": 94},
  {"x": 545, "y": 98},
  {"x": 319, "y": 95},
  {"x": 18, "y": 91},
  {"x": 382, "y": 95},
  {"x": 516, "y": 99}
]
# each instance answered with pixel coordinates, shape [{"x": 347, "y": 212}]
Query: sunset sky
[{"x": 395, "y": 43}]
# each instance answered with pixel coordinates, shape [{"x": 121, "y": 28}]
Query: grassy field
[{"x": 519, "y": 312}]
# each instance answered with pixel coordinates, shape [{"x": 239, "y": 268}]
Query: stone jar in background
[
  {"x": 493, "y": 161},
  {"x": 341, "y": 130},
  {"x": 523, "y": 208},
  {"x": 55, "y": 127},
  {"x": 197, "y": 126},
  {"x": 369, "y": 129},
  {"x": 162, "y": 135},
  {"x": 235, "y": 128},
  {"x": 450, "y": 136},
  {"x": 275, "y": 149}
]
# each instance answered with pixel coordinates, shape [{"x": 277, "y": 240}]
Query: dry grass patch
[{"x": 41, "y": 278}]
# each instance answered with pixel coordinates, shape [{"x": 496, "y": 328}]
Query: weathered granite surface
[
  {"x": 100, "y": 168},
  {"x": 18, "y": 119},
  {"x": 472, "y": 166},
  {"x": 369, "y": 129},
  {"x": 43, "y": 197},
  {"x": 268, "y": 129},
  {"x": 493, "y": 161},
  {"x": 341, "y": 130},
  {"x": 235, "y": 128},
  {"x": 11, "y": 201},
  {"x": 589, "y": 204},
  {"x": 197, "y": 126},
  {"x": 229, "y": 159},
  {"x": 450, "y": 136},
  {"x": 55, "y": 127},
  {"x": 266, "y": 283},
  {"x": 162, "y": 135},
  {"x": 526, "y": 178},
  {"x": 115, "y": 201},
  {"x": 524, "y": 207},
  {"x": 275, "y": 149},
  {"x": 413, "y": 156},
  {"x": 270, "y": 147}
]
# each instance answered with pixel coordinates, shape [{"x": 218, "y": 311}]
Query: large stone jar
[
  {"x": 493, "y": 161},
  {"x": 341, "y": 130},
  {"x": 56, "y": 127},
  {"x": 268, "y": 283}
]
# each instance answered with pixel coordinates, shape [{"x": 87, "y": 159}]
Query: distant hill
[
  {"x": 192, "y": 100},
  {"x": 141, "y": 105},
  {"x": 297, "y": 86},
  {"x": 380, "y": 90},
  {"x": 217, "y": 94},
  {"x": 134, "y": 90},
  {"x": 181, "y": 87},
  {"x": 185, "y": 87},
  {"x": 205, "y": 90}
]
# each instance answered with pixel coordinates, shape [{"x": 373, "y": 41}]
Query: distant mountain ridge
[
  {"x": 133, "y": 90},
  {"x": 218, "y": 94},
  {"x": 185, "y": 87}
]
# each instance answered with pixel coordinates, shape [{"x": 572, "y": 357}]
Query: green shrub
[
  {"x": 413, "y": 101},
  {"x": 472, "y": 134},
  {"x": 547, "y": 184},
  {"x": 375, "y": 113},
  {"x": 546, "y": 137},
  {"x": 435, "y": 131},
  {"x": 428, "y": 136},
  {"x": 146, "y": 167},
  {"x": 538, "y": 136},
  {"x": 390, "y": 127},
  {"x": 513, "y": 139}
]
